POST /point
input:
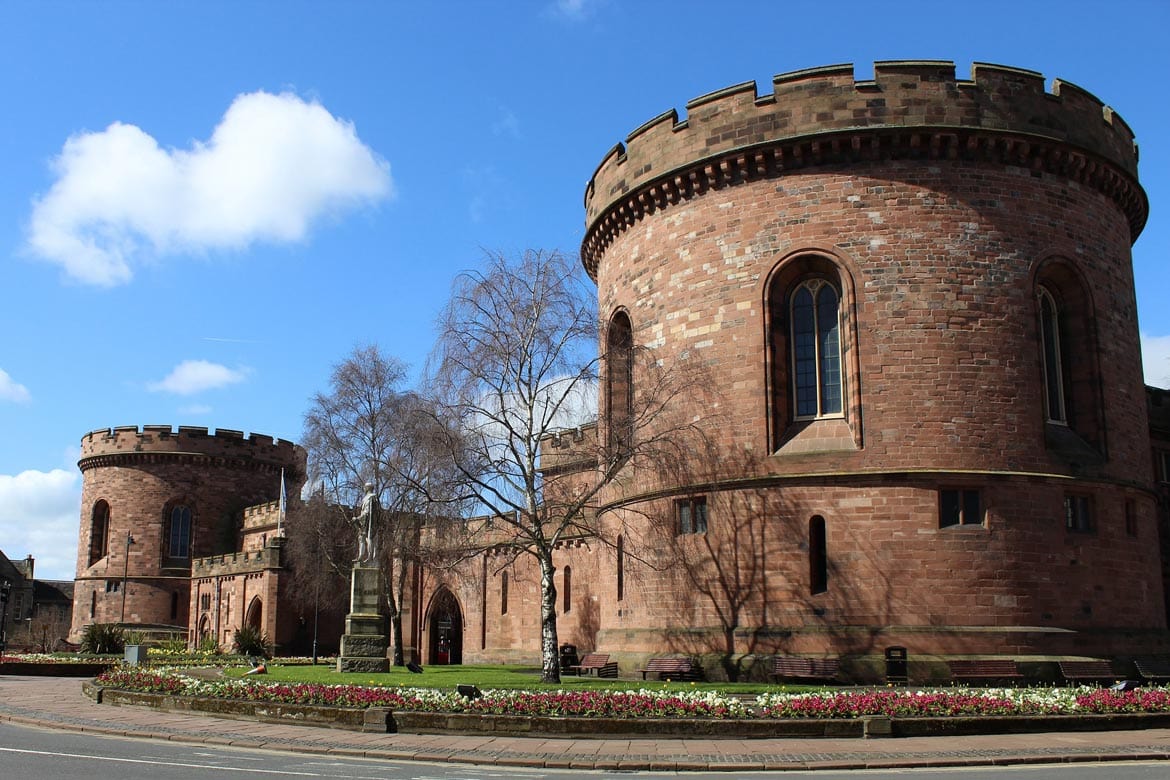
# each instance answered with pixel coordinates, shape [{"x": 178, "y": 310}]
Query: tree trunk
[
  {"x": 397, "y": 658},
  {"x": 549, "y": 648}
]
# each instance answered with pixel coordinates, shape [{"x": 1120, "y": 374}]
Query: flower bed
[
  {"x": 51, "y": 665},
  {"x": 950, "y": 702},
  {"x": 602, "y": 704}
]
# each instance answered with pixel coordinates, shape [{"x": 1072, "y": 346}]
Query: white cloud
[
  {"x": 39, "y": 517},
  {"x": 195, "y": 376},
  {"x": 1156, "y": 360},
  {"x": 507, "y": 125},
  {"x": 11, "y": 390},
  {"x": 574, "y": 10},
  {"x": 195, "y": 409},
  {"x": 273, "y": 166}
]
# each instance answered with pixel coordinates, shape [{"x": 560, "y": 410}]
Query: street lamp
[
  {"x": 125, "y": 572},
  {"x": 5, "y": 590}
]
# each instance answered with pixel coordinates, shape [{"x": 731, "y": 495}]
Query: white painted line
[{"x": 154, "y": 762}]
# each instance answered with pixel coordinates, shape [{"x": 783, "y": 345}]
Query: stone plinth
[{"x": 363, "y": 646}]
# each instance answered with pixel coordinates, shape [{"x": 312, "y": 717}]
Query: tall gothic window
[
  {"x": 99, "y": 532},
  {"x": 1055, "y": 377},
  {"x": 816, "y": 350},
  {"x": 619, "y": 382},
  {"x": 179, "y": 533}
]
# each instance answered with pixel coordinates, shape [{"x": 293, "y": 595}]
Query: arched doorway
[
  {"x": 255, "y": 615},
  {"x": 445, "y": 630}
]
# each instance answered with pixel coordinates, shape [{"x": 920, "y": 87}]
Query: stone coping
[{"x": 383, "y": 720}]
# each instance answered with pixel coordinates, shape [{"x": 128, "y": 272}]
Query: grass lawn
[{"x": 488, "y": 676}]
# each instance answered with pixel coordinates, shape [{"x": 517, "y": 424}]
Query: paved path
[{"x": 57, "y": 702}]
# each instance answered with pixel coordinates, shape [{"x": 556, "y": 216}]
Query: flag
[{"x": 283, "y": 506}]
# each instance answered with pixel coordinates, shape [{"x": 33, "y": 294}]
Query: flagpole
[{"x": 283, "y": 506}]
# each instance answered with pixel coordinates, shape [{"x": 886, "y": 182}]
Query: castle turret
[
  {"x": 155, "y": 498},
  {"x": 913, "y": 298}
]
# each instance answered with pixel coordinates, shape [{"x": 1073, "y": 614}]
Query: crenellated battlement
[
  {"x": 824, "y": 116},
  {"x": 261, "y": 515},
  {"x": 188, "y": 440}
]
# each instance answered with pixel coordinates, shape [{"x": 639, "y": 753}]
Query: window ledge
[
  {"x": 813, "y": 436},
  {"x": 1066, "y": 444}
]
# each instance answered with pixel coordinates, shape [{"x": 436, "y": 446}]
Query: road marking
[{"x": 160, "y": 763}]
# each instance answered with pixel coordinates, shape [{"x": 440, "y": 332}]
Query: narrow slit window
[{"x": 818, "y": 557}]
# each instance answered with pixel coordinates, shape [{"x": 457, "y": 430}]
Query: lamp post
[
  {"x": 125, "y": 572},
  {"x": 5, "y": 590}
]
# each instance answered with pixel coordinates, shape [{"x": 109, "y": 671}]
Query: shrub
[
  {"x": 103, "y": 639},
  {"x": 172, "y": 647},
  {"x": 208, "y": 645},
  {"x": 248, "y": 640}
]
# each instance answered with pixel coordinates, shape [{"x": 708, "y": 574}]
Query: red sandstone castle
[{"x": 915, "y": 302}]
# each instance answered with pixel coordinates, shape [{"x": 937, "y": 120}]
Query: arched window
[
  {"x": 99, "y": 532},
  {"x": 1070, "y": 365},
  {"x": 818, "y": 557},
  {"x": 179, "y": 533},
  {"x": 816, "y": 350},
  {"x": 813, "y": 395},
  {"x": 1055, "y": 376},
  {"x": 567, "y": 590},
  {"x": 619, "y": 382}
]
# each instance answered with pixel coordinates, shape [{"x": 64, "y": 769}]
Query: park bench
[
  {"x": 671, "y": 669},
  {"x": 595, "y": 663},
  {"x": 984, "y": 670},
  {"x": 1088, "y": 671},
  {"x": 792, "y": 667},
  {"x": 1153, "y": 669}
]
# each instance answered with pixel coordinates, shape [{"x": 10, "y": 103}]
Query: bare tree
[
  {"x": 364, "y": 430},
  {"x": 516, "y": 354}
]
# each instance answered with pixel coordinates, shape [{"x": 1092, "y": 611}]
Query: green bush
[
  {"x": 248, "y": 640},
  {"x": 208, "y": 645},
  {"x": 103, "y": 639}
]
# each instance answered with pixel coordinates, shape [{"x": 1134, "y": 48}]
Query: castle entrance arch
[
  {"x": 445, "y": 629},
  {"x": 255, "y": 615}
]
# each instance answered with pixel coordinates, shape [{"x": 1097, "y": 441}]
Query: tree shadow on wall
[{"x": 749, "y": 585}]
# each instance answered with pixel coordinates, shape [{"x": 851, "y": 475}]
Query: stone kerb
[{"x": 825, "y": 116}]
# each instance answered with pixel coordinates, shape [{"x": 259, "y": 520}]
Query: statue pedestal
[{"x": 363, "y": 647}]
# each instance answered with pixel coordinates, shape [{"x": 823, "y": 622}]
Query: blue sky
[{"x": 166, "y": 261}]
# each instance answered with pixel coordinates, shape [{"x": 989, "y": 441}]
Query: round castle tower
[
  {"x": 914, "y": 301},
  {"x": 178, "y": 495}
]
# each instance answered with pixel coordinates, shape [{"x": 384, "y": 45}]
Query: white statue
[{"x": 363, "y": 523}]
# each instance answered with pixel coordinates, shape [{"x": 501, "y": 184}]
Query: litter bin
[
  {"x": 569, "y": 657},
  {"x": 897, "y": 666},
  {"x": 134, "y": 655}
]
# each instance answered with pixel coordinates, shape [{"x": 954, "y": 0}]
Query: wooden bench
[
  {"x": 983, "y": 670},
  {"x": 1092, "y": 671},
  {"x": 595, "y": 663},
  {"x": 1153, "y": 669},
  {"x": 792, "y": 667},
  {"x": 671, "y": 669}
]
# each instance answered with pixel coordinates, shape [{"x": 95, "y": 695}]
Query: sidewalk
[{"x": 55, "y": 702}]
